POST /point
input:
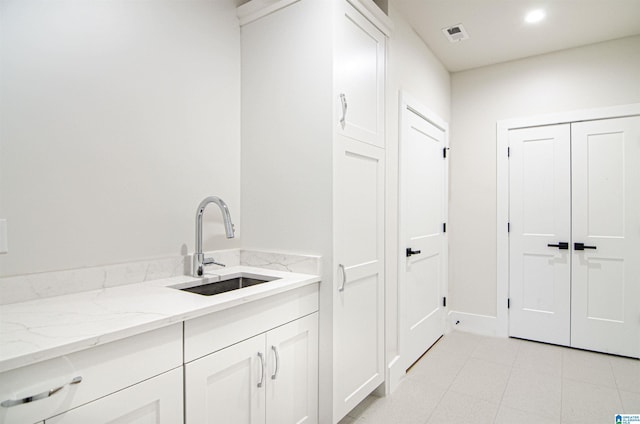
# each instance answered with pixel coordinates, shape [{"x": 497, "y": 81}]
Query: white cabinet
[
  {"x": 254, "y": 363},
  {"x": 154, "y": 401},
  {"x": 87, "y": 375},
  {"x": 313, "y": 167},
  {"x": 270, "y": 378}
]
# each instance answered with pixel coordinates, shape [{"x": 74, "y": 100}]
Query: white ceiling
[{"x": 498, "y": 33}]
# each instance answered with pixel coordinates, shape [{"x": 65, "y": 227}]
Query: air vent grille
[{"x": 455, "y": 33}]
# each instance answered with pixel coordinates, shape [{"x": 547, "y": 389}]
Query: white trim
[
  {"x": 256, "y": 9},
  {"x": 502, "y": 188},
  {"x": 473, "y": 323},
  {"x": 409, "y": 103},
  {"x": 395, "y": 374}
]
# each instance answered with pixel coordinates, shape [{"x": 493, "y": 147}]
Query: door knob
[
  {"x": 581, "y": 246},
  {"x": 412, "y": 252},
  {"x": 563, "y": 245}
]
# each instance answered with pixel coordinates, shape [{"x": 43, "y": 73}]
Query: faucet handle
[{"x": 211, "y": 261}]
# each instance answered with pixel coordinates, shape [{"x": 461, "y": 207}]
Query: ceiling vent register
[{"x": 455, "y": 33}]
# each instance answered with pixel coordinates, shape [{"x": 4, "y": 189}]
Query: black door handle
[
  {"x": 563, "y": 245},
  {"x": 581, "y": 246},
  {"x": 412, "y": 252}
]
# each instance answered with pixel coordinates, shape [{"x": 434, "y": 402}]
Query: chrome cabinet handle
[
  {"x": 13, "y": 402},
  {"x": 261, "y": 382},
  {"x": 275, "y": 373},
  {"x": 343, "y": 100},
  {"x": 344, "y": 277}
]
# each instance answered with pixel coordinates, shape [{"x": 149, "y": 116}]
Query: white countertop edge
[{"x": 187, "y": 306}]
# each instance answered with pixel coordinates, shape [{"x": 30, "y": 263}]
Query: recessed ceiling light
[{"x": 534, "y": 16}]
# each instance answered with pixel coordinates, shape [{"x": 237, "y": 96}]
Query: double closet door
[{"x": 574, "y": 241}]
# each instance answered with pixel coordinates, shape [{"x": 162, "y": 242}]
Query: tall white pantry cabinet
[{"x": 313, "y": 176}]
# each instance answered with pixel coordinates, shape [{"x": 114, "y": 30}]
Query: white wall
[
  {"x": 116, "y": 119},
  {"x": 599, "y": 75},
  {"x": 412, "y": 68}
]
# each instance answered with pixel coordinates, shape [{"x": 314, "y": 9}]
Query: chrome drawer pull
[
  {"x": 343, "y": 100},
  {"x": 261, "y": 382},
  {"x": 275, "y": 351},
  {"x": 344, "y": 277},
  {"x": 13, "y": 402}
]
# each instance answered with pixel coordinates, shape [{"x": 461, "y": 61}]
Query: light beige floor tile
[
  {"x": 498, "y": 350},
  {"x": 534, "y": 392},
  {"x": 588, "y": 367},
  {"x": 508, "y": 415},
  {"x": 627, "y": 373},
  {"x": 363, "y": 407},
  {"x": 584, "y": 403},
  {"x": 482, "y": 379},
  {"x": 630, "y": 402},
  {"x": 540, "y": 358},
  {"x": 456, "y": 408},
  {"x": 412, "y": 403},
  {"x": 458, "y": 344},
  {"x": 348, "y": 420},
  {"x": 438, "y": 368}
]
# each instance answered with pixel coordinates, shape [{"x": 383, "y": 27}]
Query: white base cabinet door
[
  {"x": 270, "y": 378},
  {"x": 154, "y": 401}
]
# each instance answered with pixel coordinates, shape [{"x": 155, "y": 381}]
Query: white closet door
[
  {"x": 423, "y": 214},
  {"x": 606, "y": 220},
  {"x": 540, "y": 216},
  {"x": 358, "y": 302}
]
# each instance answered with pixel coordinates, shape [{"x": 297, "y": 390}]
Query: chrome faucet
[{"x": 199, "y": 261}]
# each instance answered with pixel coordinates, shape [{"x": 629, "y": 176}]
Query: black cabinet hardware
[
  {"x": 563, "y": 245},
  {"x": 581, "y": 246},
  {"x": 412, "y": 252}
]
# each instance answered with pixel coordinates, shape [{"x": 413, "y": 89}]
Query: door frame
[
  {"x": 502, "y": 188},
  {"x": 408, "y": 104}
]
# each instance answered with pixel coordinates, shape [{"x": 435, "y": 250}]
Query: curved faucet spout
[{"x": 198, "y": 257}]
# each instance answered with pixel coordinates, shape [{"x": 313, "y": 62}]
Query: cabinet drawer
[
  {"x": 104, "y": 369},
  {"x": 218, "y": 330},
  {"x": 157, "y": 400}
]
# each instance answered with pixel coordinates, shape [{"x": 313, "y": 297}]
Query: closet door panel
[
  {"x": 540, "y": 219},
  {"x": 606, "y": 220}
]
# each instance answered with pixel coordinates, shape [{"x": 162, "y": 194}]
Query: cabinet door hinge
[
  {"x": 508, "y": 303},
  {"x": 444, "y": 152},
  {"x": 508, "y": 227},
  {"x": 444, "y": 227},
  {"x": 444, "y": 301},
  {"x": 508, "y": 152}
]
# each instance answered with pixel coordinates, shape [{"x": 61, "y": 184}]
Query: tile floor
[{"x": 465, "y": 378}]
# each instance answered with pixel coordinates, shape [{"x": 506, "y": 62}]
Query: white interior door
[
  {"x": 540, "y": 220},
  {"x": 606, "y": 220},
  {"x": 423, "y": 244},
  {"x": 358, "y": 302}
]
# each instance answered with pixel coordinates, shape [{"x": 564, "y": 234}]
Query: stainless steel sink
[{"x": 226, "y": 284}]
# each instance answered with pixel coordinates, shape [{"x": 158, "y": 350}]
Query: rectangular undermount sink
[{"x": 225, "y": 284}]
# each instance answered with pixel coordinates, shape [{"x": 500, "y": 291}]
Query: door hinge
[
  {"x": 508, "y": 227},
  {"x": 508, "y": 152},
  {"x": 444, "y": 152},
  {"x": 444, "y": 227},
  {"x": 444, "y": 302},
  {"x": 508, "y": 303}
]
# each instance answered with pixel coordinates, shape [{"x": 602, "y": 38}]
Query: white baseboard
[
  {"x": 395, "y": 374},
  {"x": 473, "y": 323}
]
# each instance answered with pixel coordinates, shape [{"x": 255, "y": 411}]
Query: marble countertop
[{"x": 46, "y": 328}]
